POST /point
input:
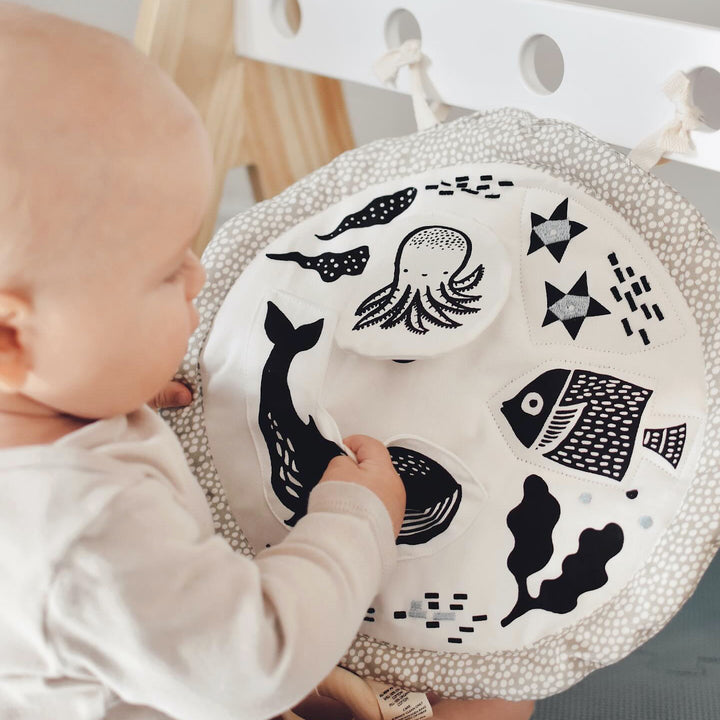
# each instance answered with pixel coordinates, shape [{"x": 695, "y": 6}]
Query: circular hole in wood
[
  {"x": 287, "y": 16},
  {"x": 400, "y": 26},
  {"x": 706, "y": 95},
  {"x": 542, "y": 64}
]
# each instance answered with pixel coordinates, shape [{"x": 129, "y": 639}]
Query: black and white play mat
[{"x": 530, "y": 323}]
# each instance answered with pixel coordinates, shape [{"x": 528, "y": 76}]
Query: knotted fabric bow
[
  {"x": 675, "y": 136},
  {"x": 410, "y": 54}
]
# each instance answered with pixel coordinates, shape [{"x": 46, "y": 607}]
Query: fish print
[
  {"x": 299, "y": 453},
  {"x": 554, "y": 233},
  {"x": 667, "y": 442},
  {"x": 580, "y": 419},
  {"x": 329, "y": 266},
  {"x": 378, "y": 212}
]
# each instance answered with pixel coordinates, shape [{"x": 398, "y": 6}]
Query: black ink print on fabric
[
  {"x": 635, "y": 293},
  {"x": 433, "y": 496},
  {"x": 669, "y": 443},
  {"x": 426, "y": 289},
  {"x": 631, "y": 494},
  {"x": 329, "y": 266},
  {"x": 580, "y": 419},
  {"x": 582, "y": 572},
  {"x": 464, "y": 183},
  {"x": 369, "y": 615},
  {"x": 554, "y": 233},
  {"x": 380, "y": 211},
  {"x": 434, "y": 618},
  {"x": 299, "y": 453},
  {"x": 573, "y": 307}
]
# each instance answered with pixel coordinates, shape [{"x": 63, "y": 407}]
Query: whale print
[
  {"x": 329, "y": 266},
  {"x": 580, "y": 419},
  {"x": 379, "y": 212},
  {"x": 426, "y": 288},
  {"x": 299, "y": 453}
]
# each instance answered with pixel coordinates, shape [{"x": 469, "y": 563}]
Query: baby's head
[{"x": 105, "y": 175}]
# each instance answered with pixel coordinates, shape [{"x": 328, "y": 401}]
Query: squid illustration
[{"x": 426, "y": 288}]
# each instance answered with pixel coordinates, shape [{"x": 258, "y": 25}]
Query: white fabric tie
[
  {"x": 675, "y": 136},
  {"x": 410, "y": 54}
]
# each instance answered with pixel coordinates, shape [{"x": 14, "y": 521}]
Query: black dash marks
[{"x": 419, "y": 299}]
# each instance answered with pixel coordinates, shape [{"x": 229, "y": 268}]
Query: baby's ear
[{"x": 14, "y": 312}]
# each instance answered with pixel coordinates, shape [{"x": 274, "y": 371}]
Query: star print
[
  {"x": 556, "y": 233},
  {"x": 573, "y": 307}
]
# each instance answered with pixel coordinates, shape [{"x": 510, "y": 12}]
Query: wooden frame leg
[{"x": 280, "y": 123}]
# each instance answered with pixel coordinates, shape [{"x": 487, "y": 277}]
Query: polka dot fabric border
[{"x": 682, "y": 241}]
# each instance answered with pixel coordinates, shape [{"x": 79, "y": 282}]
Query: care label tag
[{"x": 398, "y": 704}]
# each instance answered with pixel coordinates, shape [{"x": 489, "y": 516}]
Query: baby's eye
[{"x": 177, "y": 275}]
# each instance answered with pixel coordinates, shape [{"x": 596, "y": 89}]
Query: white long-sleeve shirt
[{"x": 118, "y": 600}]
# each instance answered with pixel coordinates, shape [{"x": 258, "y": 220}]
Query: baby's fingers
[{"x": 367, "y": 449}]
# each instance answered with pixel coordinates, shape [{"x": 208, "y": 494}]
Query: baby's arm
[{"x": 167, "y": 615}]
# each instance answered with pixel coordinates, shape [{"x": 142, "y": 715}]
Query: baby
[{"x": 118, "y": 600}]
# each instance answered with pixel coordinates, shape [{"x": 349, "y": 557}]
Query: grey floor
[{"x": 675, "y": 676}]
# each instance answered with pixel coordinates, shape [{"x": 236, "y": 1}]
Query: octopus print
[{"x": 427, "y": 288}]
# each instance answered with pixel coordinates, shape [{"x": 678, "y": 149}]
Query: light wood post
[{"x": 280, "y": 123}]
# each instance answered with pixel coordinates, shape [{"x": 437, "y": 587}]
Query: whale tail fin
[{"x": 281, "y": 332}]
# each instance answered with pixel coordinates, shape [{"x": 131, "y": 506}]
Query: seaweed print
[
  {"x": 426, "y": 288},
  {"x": 532, "y": 523}
]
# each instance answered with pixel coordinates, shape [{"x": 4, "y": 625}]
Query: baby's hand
[{"x": 374, "y": 470}]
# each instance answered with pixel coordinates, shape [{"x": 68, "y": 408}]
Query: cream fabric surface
[{"x": 655, "y": 227}]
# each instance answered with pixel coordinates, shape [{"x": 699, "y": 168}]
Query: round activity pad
[{"x": 527, "y": 320}]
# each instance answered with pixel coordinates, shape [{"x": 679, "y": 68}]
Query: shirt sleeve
[{"x": 168, "y": 616}]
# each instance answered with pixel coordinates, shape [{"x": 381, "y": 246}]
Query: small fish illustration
[
  {"x": 580, "y": 419},
  {"x": 378, "y": 212},
  {"x": 299, "y": 453},
  {"x": 329, "y": 266}
]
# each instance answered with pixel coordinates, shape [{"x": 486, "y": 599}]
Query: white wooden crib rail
[{"x": 489, "y": 53}]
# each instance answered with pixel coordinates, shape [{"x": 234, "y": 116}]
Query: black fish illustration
[
  {"x": 433, "y": 496},
  {"x": 330, "y": 266},
  {"x": 378, "y": 212},
  {"x": 555, "y": 233},
  {"x": 580, "y": 419},
  {"x": 299, "y": 453},
  {"x": 667, "y": 442}
]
